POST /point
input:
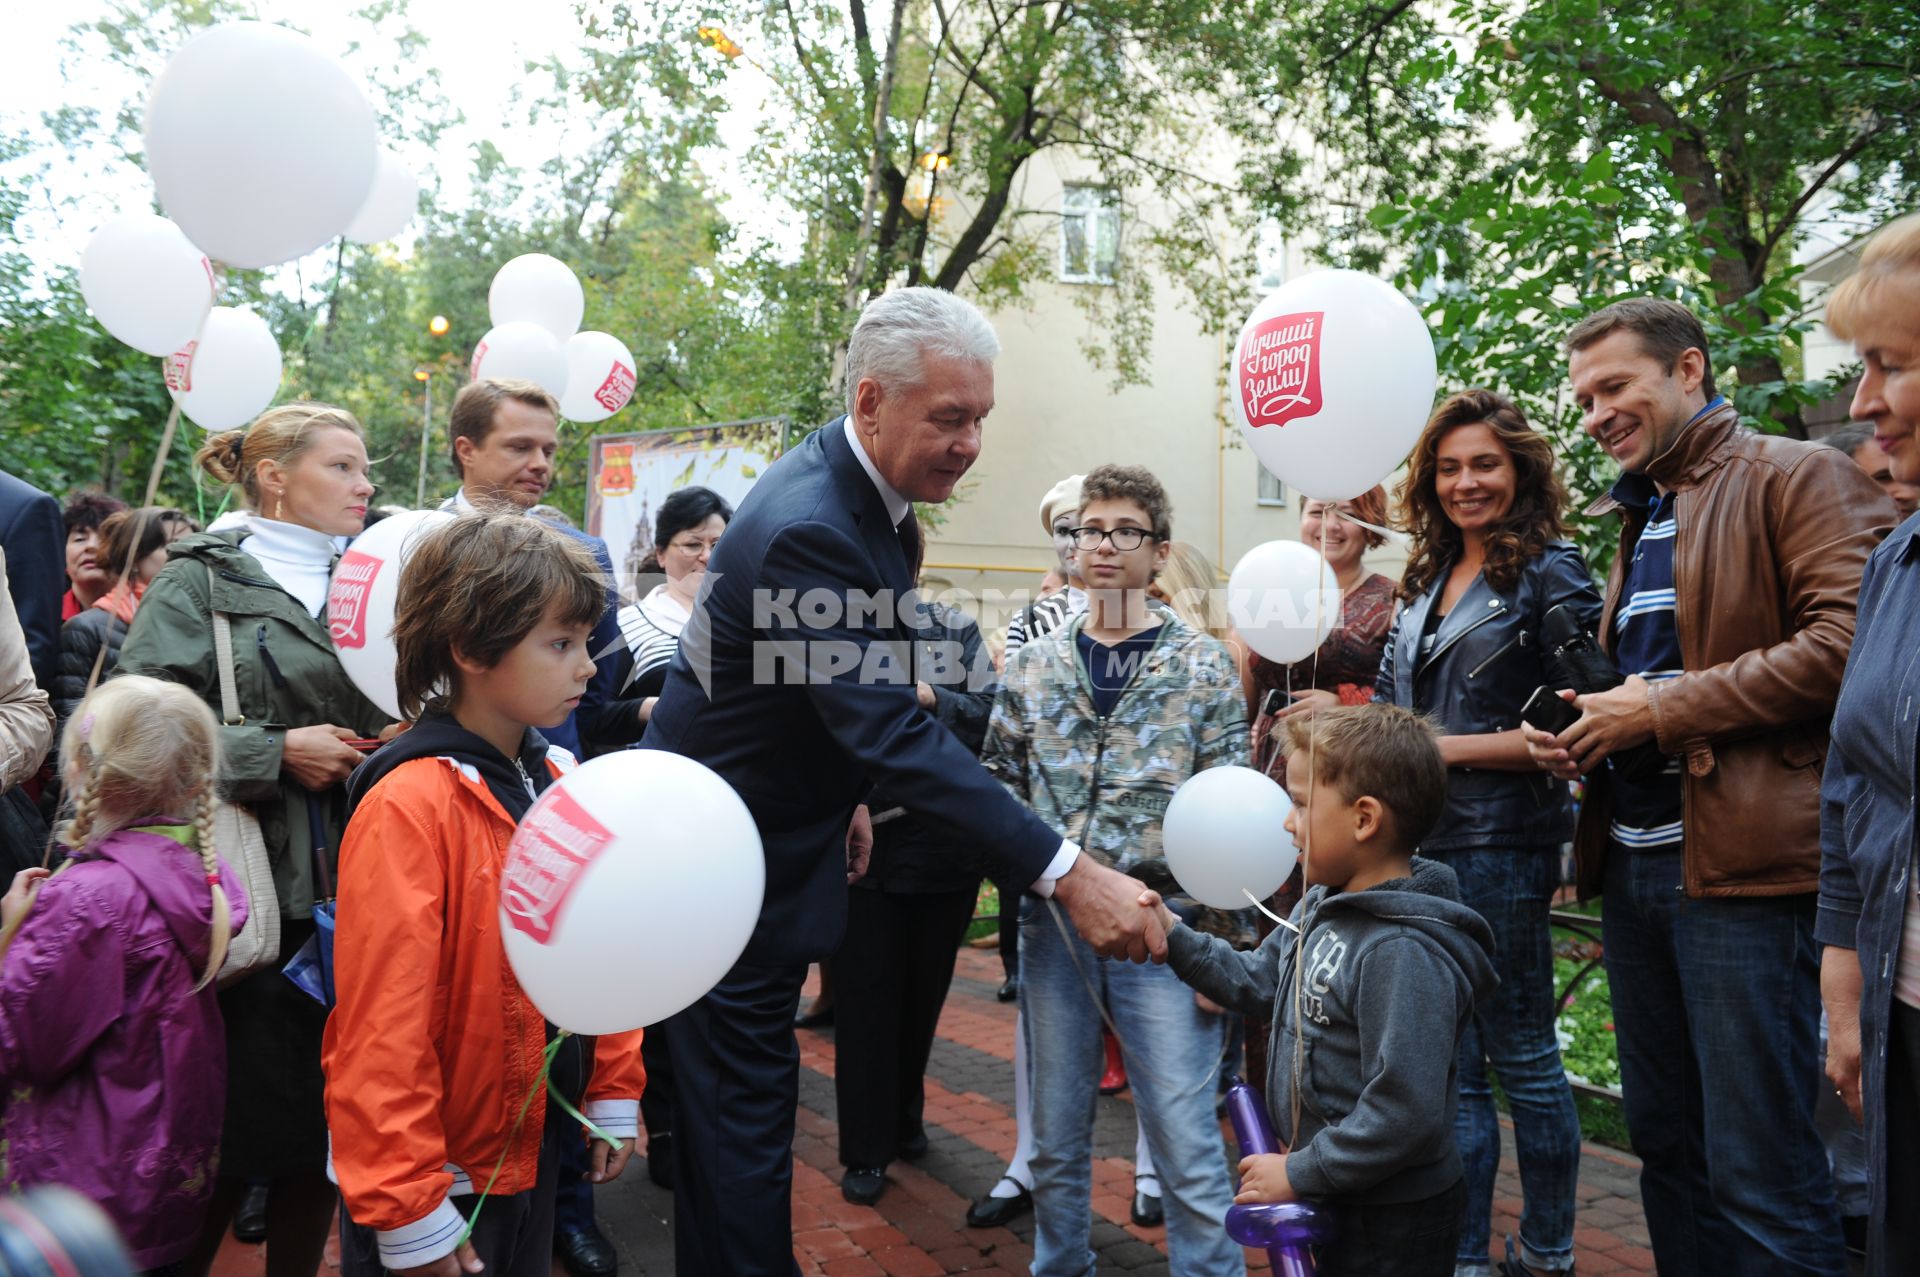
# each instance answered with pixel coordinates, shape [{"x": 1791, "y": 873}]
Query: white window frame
[
  {"x": 1271, "y": 491},
  {"x": 1094, "y": 205}
]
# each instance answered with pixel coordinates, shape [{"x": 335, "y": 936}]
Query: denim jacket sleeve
[{"x": 1839, "y": 912}]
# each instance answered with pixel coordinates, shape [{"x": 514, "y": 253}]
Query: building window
[
  {"x": 1089, "y": 234},
  {"x": 1269, "y": 256},
  {"x": 1272, "y": 491}
]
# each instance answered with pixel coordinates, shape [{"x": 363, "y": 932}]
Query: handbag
[{"x": 236, "y": 836}]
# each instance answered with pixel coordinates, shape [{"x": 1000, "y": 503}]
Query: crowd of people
[{"x": 204, "y": 810}]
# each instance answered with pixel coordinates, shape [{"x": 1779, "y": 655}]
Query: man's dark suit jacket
[
  {"x": 802, "y": 754},
  {"x": 36, "y": 545}
]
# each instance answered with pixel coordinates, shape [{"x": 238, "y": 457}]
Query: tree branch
[
  {"x": 1792, "y": 215},
  {"x": 800, "y": 52}
]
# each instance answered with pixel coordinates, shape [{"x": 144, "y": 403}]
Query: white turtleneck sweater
[{"x": 299, "y": 559}]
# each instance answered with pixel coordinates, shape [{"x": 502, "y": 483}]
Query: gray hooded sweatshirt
[{"x": 1391, "y": 975}]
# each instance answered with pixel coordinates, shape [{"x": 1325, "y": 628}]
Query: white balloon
[
  {"x": 524, "y": 351},
  {"x": 146, "y": 283},
  {"x": 390, "y": 204},
  {"x": 537, "y": 289},
  {"x": 599, "y": 377},
  {"x": 633, "y": 834},
  {"x": 1225, "y": 835},
  {"x": 1333, "y": 380},
  {"x": 1284, "y": 600},
  {"x": 261, "y": 146},
  {"x": 361, "y": 598},
  {"x": 229, "y": 373}
]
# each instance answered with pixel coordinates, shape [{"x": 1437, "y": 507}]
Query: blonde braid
[
  {"x": 86, "y": 807},
  {"x": 210, "y": 861}
]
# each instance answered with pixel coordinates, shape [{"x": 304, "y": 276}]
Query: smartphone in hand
[{"x": 1546, "y": 711}]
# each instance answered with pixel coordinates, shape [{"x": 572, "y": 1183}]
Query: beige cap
[{"x": 1064, "y": 495}]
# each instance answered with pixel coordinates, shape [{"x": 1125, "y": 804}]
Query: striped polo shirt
[{"x": 1646, "y": 641}]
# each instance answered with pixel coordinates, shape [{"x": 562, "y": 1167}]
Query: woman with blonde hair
[
  {"x": 302, "y": 471},
  {"x": 1868, "y": 919},
  {"x": 110, "y": 1038}
]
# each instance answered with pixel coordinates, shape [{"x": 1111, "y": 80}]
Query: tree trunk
[
  {"x": 1738, "y": 262},
  {"x": 851, "y": 298}
]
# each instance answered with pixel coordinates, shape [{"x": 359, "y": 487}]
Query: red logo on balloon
[
  {"x": 179, "y": 369},
  {"x": 616, "y": 389},
  {"x": 1279, "y": 369},
  {"x": 551, "y": 851},
  {"x": 347, "y": 598},
  {"x": 479, "y": 353}
]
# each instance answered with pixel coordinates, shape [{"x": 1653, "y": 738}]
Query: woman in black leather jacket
[{"x": 1488, "y": 560}]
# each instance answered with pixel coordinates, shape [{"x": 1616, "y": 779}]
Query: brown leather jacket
[{"x": 1771, "y": 539}]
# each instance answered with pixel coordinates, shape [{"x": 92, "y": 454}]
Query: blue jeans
[
  {"x": 1716, "y": 1007},
  {"x": 1513, "y": 1031},
  {"x": 1173, "y": 1058}
]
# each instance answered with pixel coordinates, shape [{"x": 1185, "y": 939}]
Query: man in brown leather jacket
[{"x": 1731, "y": 608}]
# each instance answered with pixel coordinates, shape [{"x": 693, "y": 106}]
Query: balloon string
[
  {"x": 1261, "y": 906},
  {"x": 1306, "y": 861},
  {"x": 543, "y": 1081}
]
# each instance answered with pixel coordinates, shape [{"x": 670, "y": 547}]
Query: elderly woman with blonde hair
[{"x": 1869, "y": 920}]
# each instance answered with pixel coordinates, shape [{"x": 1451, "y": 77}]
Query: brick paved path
[{"x": 917, "y": 1227}]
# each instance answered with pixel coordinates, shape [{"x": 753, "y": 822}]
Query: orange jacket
[{"x": 433, "y": 1047}]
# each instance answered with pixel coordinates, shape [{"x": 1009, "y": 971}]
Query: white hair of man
[{"x": 898, "y": 330}]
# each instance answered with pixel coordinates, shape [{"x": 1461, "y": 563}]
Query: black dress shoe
[
  {"x": 1010, "y": 990},
  {"x": 913, "y": 1147},
  {"x": 819, "y": 1018},
  {"x": 862, "y": 1185},
  {"x": 660, "y": 1159},
  {"x": 994, "y": 1212},
  {"x": 1147, "y": 1211},
  {"x": 250, "y": 1221},
  {"x": 585, "y": 1252}
]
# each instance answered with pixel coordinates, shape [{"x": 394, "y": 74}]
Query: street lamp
[
  {"x": 424, "y": 376},
  {"x": 438, "y": 327}
]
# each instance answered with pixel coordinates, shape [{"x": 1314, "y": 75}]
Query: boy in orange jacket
[{"x": 433, "y": 1050}]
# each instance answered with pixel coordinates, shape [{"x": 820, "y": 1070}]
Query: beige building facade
[{"x": 1056, "y": 412}]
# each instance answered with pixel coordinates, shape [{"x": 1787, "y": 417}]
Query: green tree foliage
[
  {"x": 621, "y": 201},
  {"x": 902, "y": 133}
]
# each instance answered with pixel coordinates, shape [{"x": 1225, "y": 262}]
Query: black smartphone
[
  {"x": 1276, "y": 700},
  {"x": 1546, "y": 711}
]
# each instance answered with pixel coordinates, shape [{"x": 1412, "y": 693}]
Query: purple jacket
[{"x": 114, "y": 1070}]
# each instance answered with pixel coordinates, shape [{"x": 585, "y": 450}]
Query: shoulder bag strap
[{"x": 230, "y": 714}]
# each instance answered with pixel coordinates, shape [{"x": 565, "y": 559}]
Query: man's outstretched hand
[{"x": 1105, "y": 907}]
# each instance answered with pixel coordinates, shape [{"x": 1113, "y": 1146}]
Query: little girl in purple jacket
[{"x": 112, "y": 1054}]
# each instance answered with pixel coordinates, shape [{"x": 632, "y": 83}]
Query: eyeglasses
[
  {"x": 1123, "y": 539},
  {"x": 694, "y": 547}
]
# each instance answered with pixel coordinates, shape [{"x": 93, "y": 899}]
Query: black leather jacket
[{"x": 1485, "y": 663}]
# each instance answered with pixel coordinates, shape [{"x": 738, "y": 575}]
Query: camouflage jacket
[{"x": 1105, "y": 782}]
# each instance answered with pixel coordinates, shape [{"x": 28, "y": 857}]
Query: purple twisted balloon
[{"x": 1285, "y": 1230}]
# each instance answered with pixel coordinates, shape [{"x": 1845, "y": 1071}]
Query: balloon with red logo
[
  {"x": 361, "y": 600},
  {"x": 1333, "y": 380},
  {"x": 228, "y": 374},
  {"x": 599, "y": 377},
  {"x": 635, "y": 834},
  {"x": 145, "y": 283}
]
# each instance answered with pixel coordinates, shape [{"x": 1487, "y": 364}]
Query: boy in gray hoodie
[{"x": 1361, "y": 1079}]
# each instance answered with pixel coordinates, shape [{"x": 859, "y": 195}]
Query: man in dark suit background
[
  {"x": 35, "y": 541},
  {"x": 794, "y": 684}
]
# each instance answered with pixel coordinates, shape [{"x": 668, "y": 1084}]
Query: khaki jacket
[
  {"x": 26, "y": 719},
  {"x": 1772, "y": 537}
]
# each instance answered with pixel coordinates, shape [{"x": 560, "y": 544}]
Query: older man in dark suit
[
  {"x": 35, "y": 542},
  {"x": 794, "y": 683}
]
